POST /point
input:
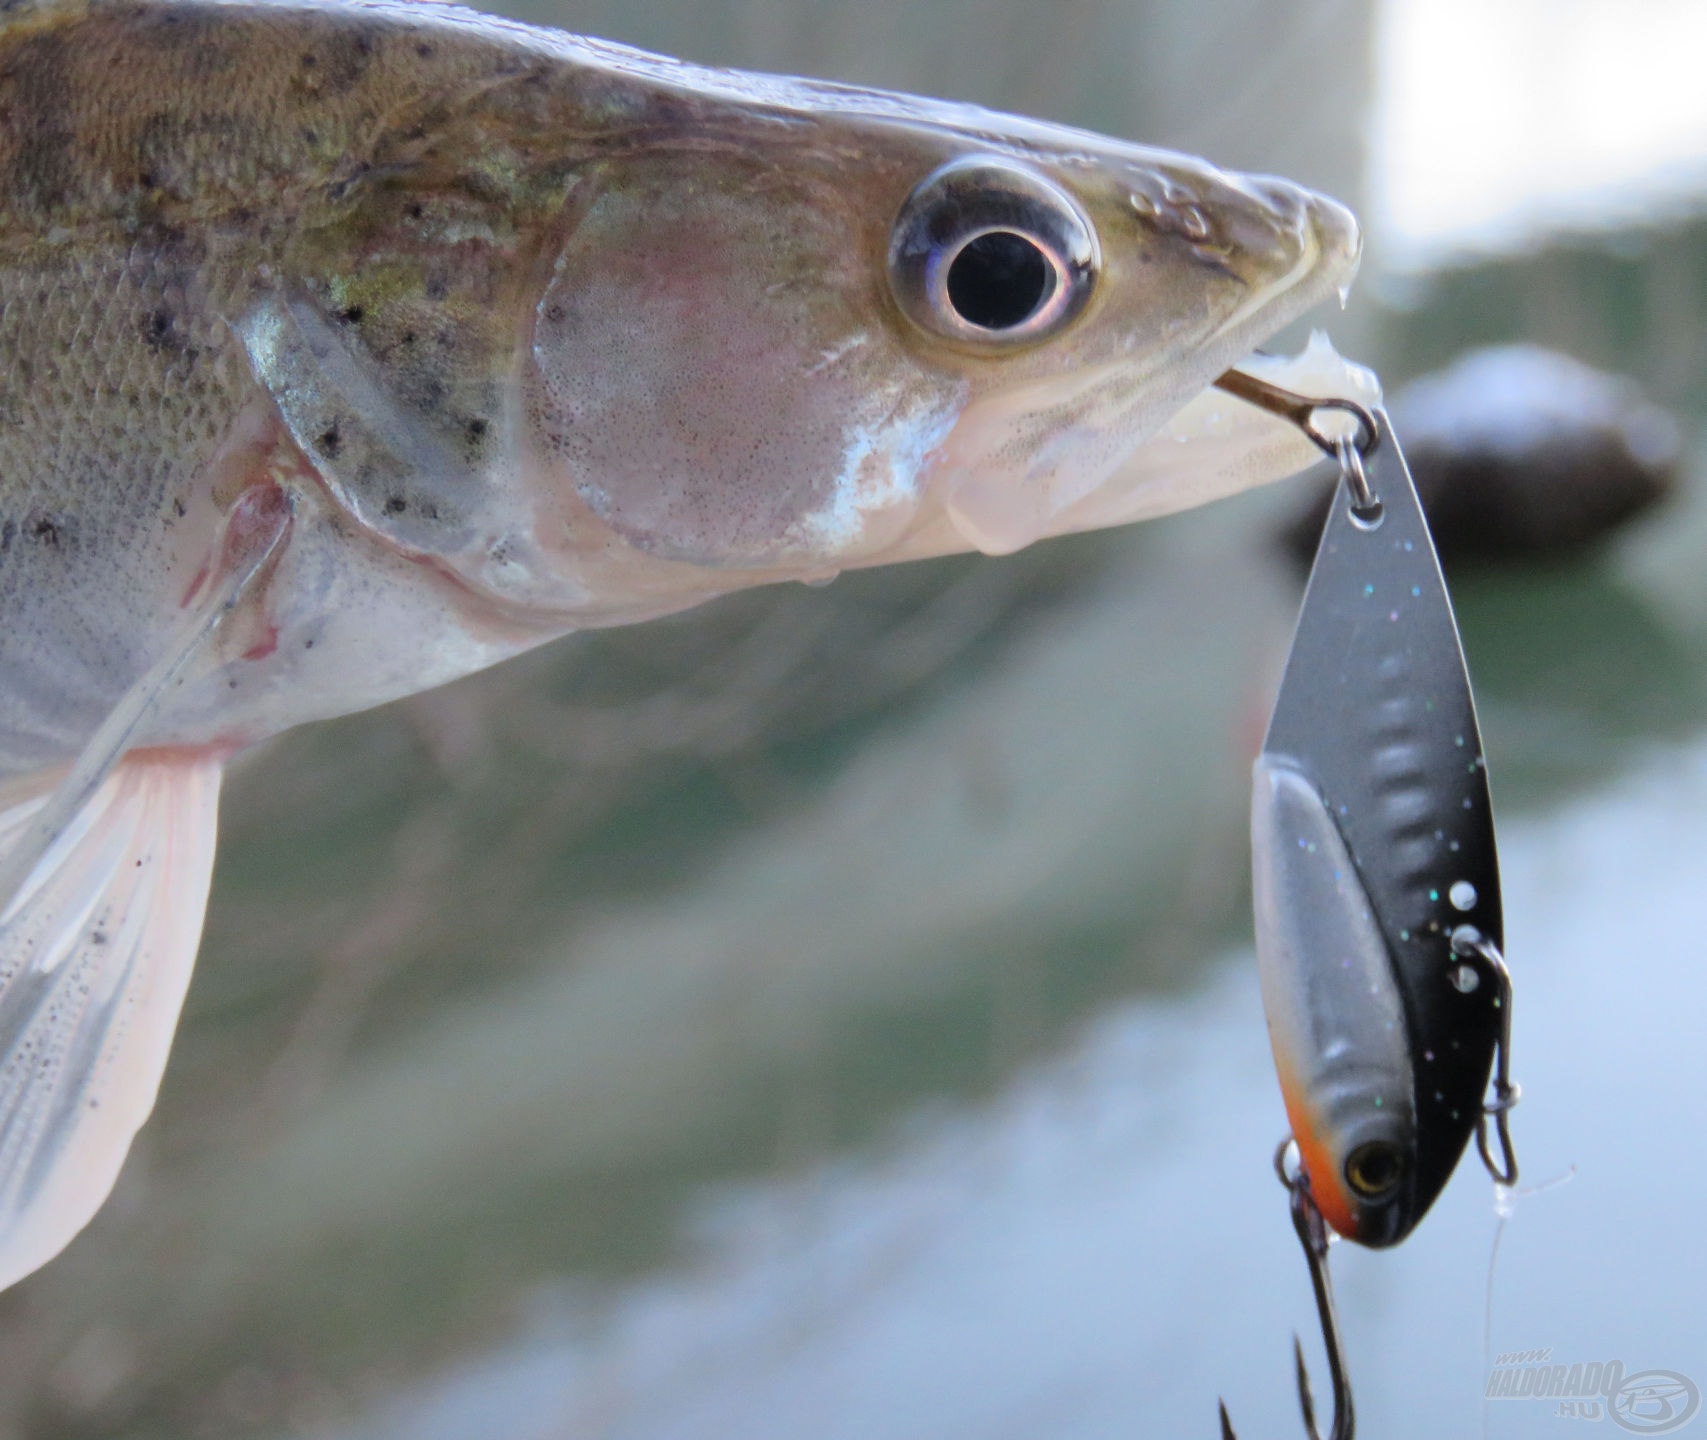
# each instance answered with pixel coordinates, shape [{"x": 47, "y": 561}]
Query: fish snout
[{"x": 1257, "y": 229}]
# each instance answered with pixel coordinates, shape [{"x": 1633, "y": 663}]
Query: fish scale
[{"x": 92, "y": 465}]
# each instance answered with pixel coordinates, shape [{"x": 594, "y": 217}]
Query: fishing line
[{"x": 1505, "y": 1207}]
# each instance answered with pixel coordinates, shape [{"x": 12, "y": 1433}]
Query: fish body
[{"x": 349, "y": 348}]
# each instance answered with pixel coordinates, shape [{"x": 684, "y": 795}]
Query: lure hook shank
[
  {"x": 1302, "y": 411},
  {"x": 1312, "y": 1233}
]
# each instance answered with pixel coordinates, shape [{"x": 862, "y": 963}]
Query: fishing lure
[{"x": 1375, "y": 878}]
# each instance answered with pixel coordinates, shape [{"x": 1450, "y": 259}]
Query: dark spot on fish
[
  {"x": 307, "y": 644},
  {"x": 395, "y": 505},
  {"x": 424, "y": 50},
  {"x": 160, "y": 332},
  {"x": 8, "y": 533},
  {"x": 555, "y": 313},
  {"x": 50, "y": 530},
  {"x": 180, "y": 509},
  {"x": 331, "y": 442},
  {"x": 476, "y": 429},
  {"x": 352, "y": 315},
  {"x": 437, "y": 289},
  {"x": 408, "y": 338},
  {"x": 429, "y": 511},
  {"x": 310, "y": 60},
  {"x": 309, "y": 136},
  {"x": 98, "y": 937},
  {"x": 348, "y": 60},
  {"x": 414, "y": 210},
  {"x": 145, "y": 179}
]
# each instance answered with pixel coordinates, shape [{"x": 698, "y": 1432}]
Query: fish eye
[
  {"x": 1374, "y": 1169},
  {"x": 989, "y": 255}
]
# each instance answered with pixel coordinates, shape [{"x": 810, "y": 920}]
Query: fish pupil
[{"x": 999, "y": 280}]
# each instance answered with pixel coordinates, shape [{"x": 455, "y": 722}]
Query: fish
[{"x": 349, "y": 348}]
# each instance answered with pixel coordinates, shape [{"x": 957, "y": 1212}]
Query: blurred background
[{"x": 833, "y": 1013}]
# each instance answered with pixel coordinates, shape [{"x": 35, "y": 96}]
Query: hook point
[{"x": 1306, "y": 1400}]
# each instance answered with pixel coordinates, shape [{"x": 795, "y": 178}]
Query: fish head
[
  {"x": 786, "y": 355},
  {"x": 771, "y": 329}
]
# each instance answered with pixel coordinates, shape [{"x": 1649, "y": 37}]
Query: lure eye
[
  {"x": 989, "y": 255},
  {"x": 1374, "y": 1170}
]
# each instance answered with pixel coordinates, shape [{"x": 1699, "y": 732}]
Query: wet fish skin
[
  {"x": 336, "y": 242},
  {"x": 353, "y": 347}
]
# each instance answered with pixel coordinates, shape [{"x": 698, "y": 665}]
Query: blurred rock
[{"x": 1523, "y": 453}]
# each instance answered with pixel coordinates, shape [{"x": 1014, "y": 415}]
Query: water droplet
[
  {"x": 1464, "y": 978},
  {"x": 1392, "y": 614},
  {"x": 1462, "y": 895},
  {"x": 1434, "y": 894},
  {"x": 1428, "y": 1055},
  {"x": 1368, "y": 589},
  {"x": 1417, "y": 591}
]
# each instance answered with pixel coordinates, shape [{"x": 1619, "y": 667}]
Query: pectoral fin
[
  {"x": 95, "y": 957},
  {"x": 104, "y": 874}
]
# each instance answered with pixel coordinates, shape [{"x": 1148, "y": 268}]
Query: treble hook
[
  {"x": 1467, "y": 940},
  {"x": 1313, "y": 1236}
]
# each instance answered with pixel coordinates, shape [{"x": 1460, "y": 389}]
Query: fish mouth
[
  {"x": 1135, "y": 445},
  {"x": 1218, "y": 444}
]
